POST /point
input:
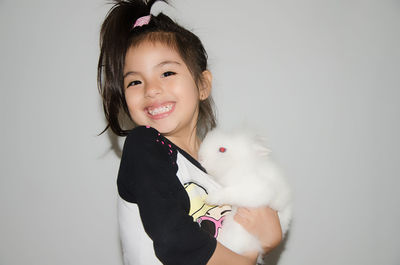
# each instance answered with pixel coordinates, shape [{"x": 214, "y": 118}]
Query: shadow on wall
[
  {"x": 115, "y": 145},
  {"x": 273, "y": 257}
]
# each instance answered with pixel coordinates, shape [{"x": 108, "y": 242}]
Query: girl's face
[{"x": 160, "y": 91}]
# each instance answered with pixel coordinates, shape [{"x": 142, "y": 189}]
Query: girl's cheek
[
  {"x": 129, "y": 102},
  {"x": 131, "y": 95}
]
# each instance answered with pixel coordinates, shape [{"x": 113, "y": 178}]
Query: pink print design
[
  {"x": 164, "y": 143},
  {"x": 217, "y": 223}
]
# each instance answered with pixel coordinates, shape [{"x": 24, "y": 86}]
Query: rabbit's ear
[{"x": 259, "y": 145}]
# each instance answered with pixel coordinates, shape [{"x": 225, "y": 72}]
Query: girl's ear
[{"x": 205, "y": 88}]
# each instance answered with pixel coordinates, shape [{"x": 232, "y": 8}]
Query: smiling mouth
[{"x": 160, "y": 110}]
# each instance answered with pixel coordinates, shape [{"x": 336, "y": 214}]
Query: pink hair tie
[{"x": 142, "y": 21}]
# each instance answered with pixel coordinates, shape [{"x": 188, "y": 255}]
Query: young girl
[{"x": 155, "y": 72}]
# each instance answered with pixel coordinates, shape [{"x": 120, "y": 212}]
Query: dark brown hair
[{"x": 117, "y": 35}]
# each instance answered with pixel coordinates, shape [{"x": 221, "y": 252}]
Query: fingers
[
  {"x": 245, "y": 217},
  {"x": 262, "y": 222},
  {"x": 243, "y": 211},
  {"x": 249, "y": 217},
  {"x": 241, "y": 217}
]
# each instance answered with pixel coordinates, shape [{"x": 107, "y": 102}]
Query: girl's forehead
[
  {"x": 151, "y": 55},
  {"x": 153, "y": 46},
  {"x": 149, "y": 51}
]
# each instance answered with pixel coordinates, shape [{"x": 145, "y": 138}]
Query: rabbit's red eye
[{"x": 222, "y": 149}]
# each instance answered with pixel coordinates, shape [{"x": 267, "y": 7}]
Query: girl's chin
[{"x": 164, "y": 129}]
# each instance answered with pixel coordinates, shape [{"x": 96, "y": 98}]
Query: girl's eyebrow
[
  {"x": 156, "y": 66},
  {"x": 167, "y": 62}
]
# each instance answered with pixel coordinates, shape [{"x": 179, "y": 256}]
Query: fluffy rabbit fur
[{"x": 248, "y": 178}]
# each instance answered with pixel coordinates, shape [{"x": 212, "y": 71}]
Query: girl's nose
[{"x": 152, "y": 89}]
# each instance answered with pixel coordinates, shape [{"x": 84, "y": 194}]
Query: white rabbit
[{"x": 240, "y": 163}]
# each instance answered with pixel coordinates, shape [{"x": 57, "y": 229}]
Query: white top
[{"x": 137, "y": 246}]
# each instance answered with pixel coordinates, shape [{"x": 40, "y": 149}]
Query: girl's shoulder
[
  {"x": 146, "y": 150},
  {"x": 143, "y": 133},
  {"x": 143, "y": 140},
  {"x": 147, "y": 159}
]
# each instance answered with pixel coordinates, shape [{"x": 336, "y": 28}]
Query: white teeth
[{"x": 160, "y": 110}]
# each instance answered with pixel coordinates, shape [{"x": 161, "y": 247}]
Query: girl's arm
[
  {"x": 147, "y": 177},
  {"x": 262, "y": 222},
  {"x": 223, "y": 255}
]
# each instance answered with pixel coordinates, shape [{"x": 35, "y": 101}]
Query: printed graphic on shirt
[{"x": 209, "y": 217}]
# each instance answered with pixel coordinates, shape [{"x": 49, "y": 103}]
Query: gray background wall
[{"x": 319, "y": 78}]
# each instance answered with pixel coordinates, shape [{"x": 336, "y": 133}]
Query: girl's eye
[
  {"x": 134, "y": 83},
  {"x": 168, "y": 74}
]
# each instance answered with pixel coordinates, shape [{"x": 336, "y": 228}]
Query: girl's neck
[{"x": 190, "y": 145}]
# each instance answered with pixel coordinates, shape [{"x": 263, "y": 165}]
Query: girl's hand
[{"x": 262, "y": 222}]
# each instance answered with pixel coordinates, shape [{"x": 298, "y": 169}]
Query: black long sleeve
[{"x": 147, "y": 177}]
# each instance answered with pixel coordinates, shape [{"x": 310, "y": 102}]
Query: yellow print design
[{"x": 209, "y": 217}]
